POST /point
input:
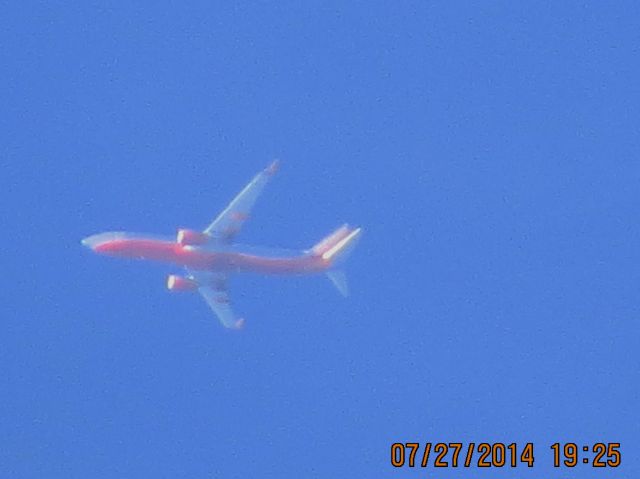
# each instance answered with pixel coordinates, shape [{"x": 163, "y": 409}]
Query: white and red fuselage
[{"x": 203, "y": 256}]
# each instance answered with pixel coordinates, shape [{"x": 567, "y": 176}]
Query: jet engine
[
  {"x": 180, "y": 283},
  {"x": 191, "y": 237}
]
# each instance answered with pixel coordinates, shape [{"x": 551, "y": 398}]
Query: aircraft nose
[
  {"x": 94, "y": 242},
  {"x": 88, "y": 242},
  {"x": 105, "y": 242}
]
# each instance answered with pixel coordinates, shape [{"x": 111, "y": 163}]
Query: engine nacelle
[
  {"x": 191, "y": 237},
  {"x": 180, "y": 283}
]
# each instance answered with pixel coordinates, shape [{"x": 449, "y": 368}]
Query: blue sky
[{"x": 490, "y": 151}]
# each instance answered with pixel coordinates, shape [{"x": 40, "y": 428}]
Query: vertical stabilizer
[
  {"x": 340, "y": 249},
  {"x": 328, "y": 242},
  {"x": 334, "y": 250}
]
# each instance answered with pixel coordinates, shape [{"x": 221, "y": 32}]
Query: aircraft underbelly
[{"x": 267, "y": 265}]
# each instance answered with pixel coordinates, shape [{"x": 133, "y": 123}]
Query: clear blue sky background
[{"x": 489, "y": 149}]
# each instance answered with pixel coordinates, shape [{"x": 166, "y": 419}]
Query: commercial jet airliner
[{"x": 210, "y": 256}]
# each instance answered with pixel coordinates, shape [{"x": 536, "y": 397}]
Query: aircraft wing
[
  {"x": 213, "y": 288},
  {"x": 227, "y": 225},
  {"x": 219, "y": 302}
]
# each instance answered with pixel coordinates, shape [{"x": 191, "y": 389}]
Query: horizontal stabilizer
[{"x": 339, "y": 280}]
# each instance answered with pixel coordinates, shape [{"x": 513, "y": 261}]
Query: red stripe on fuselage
[{"x": 201, "y": 259}]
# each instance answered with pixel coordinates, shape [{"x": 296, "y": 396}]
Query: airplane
[{"x": 212, "y": 255}]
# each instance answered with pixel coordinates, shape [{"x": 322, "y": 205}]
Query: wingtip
[
  {"x": 239, "y": 324},
  {"x": 273, "y": 167}
]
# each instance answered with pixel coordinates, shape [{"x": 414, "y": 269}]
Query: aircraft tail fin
[
  {"x": 328, "y": 241},
  {"x": 334, "y": 250}
]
